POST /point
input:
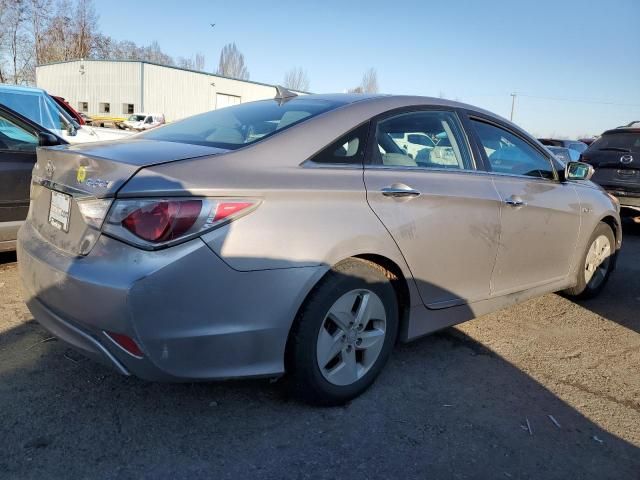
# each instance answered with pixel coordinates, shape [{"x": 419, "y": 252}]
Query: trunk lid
[
  {"x": 100, "y": 169},
  {"x": 93, "y": 171}
]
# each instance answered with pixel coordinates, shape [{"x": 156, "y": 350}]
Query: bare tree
[
  {"x": 199, "y": 61},
  {"x": 85, "y": 26},
  {"x": 296, "y": 79},
  {"x": 194, "y": 63},
  {"x": 16, "y": 41},
  {"x": 34, "y": 32},
  {"x": 231, "y": 63},
  {"x": 369, "y": 83}
]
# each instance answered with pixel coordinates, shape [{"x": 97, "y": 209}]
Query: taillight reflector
[{"x": 125, "y": 342}]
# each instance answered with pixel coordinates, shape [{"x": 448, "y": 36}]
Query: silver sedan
[{"x": 303, "y": 235}]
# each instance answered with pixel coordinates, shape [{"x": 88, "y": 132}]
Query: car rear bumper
[{"x": 193, "y": 316}]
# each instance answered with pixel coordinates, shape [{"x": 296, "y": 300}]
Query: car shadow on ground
[
  {"x": 620, "y": 299},
  {"x": 445, "y": 407}
]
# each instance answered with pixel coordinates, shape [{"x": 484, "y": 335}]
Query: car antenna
[{"x": 283, "y": 95}]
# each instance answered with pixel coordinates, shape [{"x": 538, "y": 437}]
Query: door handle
[
  {"x": 514, "y": 201},
  {"x": 399, "y": 190}
]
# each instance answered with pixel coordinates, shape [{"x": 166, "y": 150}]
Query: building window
[
  {"x": 105, "y": 108},
  {"x": 127, "y": 108},
  {"x": 83, "y": 107},
  {"x": 224, "y": 100}
]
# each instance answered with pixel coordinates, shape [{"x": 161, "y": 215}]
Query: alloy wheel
[
  {"x": 351, "y": 337},
  {"x": 597, "y": 261}
]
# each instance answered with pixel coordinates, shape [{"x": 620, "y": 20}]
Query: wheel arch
[
  {"x": 398, "y": 280},
  {"x": 615, "y": 226}
]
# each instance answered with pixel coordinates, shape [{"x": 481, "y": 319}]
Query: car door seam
[{"x": 497, "y": 251}]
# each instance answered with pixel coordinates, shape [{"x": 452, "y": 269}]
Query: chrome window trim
[{"x": 339, "y": 166}]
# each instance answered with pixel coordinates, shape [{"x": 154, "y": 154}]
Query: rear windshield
[
  {"x": 236, "y": 126},
  {"x": 625, "y": 141},
  {"x": 37, "y": 107}
]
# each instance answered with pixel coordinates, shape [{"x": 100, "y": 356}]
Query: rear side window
[
  {"x": 508, "y": 153},
  {"x": 240, "y": 125},
  {"x": 348, "y": 149}
]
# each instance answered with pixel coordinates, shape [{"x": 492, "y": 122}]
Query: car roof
[
  {"x": 392, "y": 101},
  {"x": 20, "y": 88},
  {"x": 622, "y": 130}
]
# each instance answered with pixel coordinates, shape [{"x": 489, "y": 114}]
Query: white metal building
[{"x": 116, "y": 89}]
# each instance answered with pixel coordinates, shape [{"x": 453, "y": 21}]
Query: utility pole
[{"x": 513, "y": 104}]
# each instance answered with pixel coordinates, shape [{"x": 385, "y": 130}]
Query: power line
[{"x": 577, "y": 100}]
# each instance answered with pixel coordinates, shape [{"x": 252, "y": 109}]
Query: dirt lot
[{"x": 453, "y": 405}]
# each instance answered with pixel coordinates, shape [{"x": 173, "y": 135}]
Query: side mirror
[
  {"x": 578, "y": 171},
  {"x": 71, "y": 130},
  {"x": 46, "y": 139}
]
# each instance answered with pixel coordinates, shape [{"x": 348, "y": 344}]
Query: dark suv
[{"x": 616, "y": 158}]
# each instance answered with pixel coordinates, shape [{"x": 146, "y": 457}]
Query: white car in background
[
  {"x": 143, "y": 121},
  {"x": 38, "y": 106}
]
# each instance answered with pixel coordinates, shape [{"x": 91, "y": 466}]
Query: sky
[{"x": 574, "y": 65}]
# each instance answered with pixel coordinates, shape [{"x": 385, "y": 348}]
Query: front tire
[
  {"x": 596, "y": 265},
  {"x": 344, "y": 333}
]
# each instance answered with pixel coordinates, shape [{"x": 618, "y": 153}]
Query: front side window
[
  {"x": 426, "y": 139},
  {"x": 508, "y": 153},
  {"x": 14, "y": 137},
  {"x": 240, "y": 125}
]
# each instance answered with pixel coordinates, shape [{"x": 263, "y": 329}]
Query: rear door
[
  {"x": 540, "y": 216},
  {"x": 423, "y": 184}
]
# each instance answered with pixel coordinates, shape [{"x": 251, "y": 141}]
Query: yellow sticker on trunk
[{"x": 82, "y": 174}]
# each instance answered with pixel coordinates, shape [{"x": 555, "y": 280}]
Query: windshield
[
  {"x": 236, "y": 126},
  {"x": 136, "y": 118},
  {"x": 622, "y": 140}
]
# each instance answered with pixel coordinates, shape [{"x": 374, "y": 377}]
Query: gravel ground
[{"x": 546, "y": 389}]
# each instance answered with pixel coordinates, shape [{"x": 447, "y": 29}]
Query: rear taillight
[
  {"x": 162, "y": 221},
  {"x": 155, "y": 223}
]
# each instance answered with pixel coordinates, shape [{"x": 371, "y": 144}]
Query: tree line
[{"x": 37, "y": 32}]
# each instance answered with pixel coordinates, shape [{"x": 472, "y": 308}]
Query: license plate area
[
  {"x": 627, "y": 174},
  {"x": 60, "y": 210}
]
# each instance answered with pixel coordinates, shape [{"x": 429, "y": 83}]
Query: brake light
[
  {"x": 154, "y": 223},
  {"x": 163, "y": 221}
]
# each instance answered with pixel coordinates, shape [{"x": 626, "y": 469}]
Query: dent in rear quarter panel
[{"x": 324, "y": 221}]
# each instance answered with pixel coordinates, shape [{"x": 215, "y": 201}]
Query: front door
[
  {"x": 540, "y": 216},
  {"x": 422, "y": 183}
]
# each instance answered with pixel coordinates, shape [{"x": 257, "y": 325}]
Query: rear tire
[
  {"x": 343, "y": 334},
  {"x": 596, "y": 264}
]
